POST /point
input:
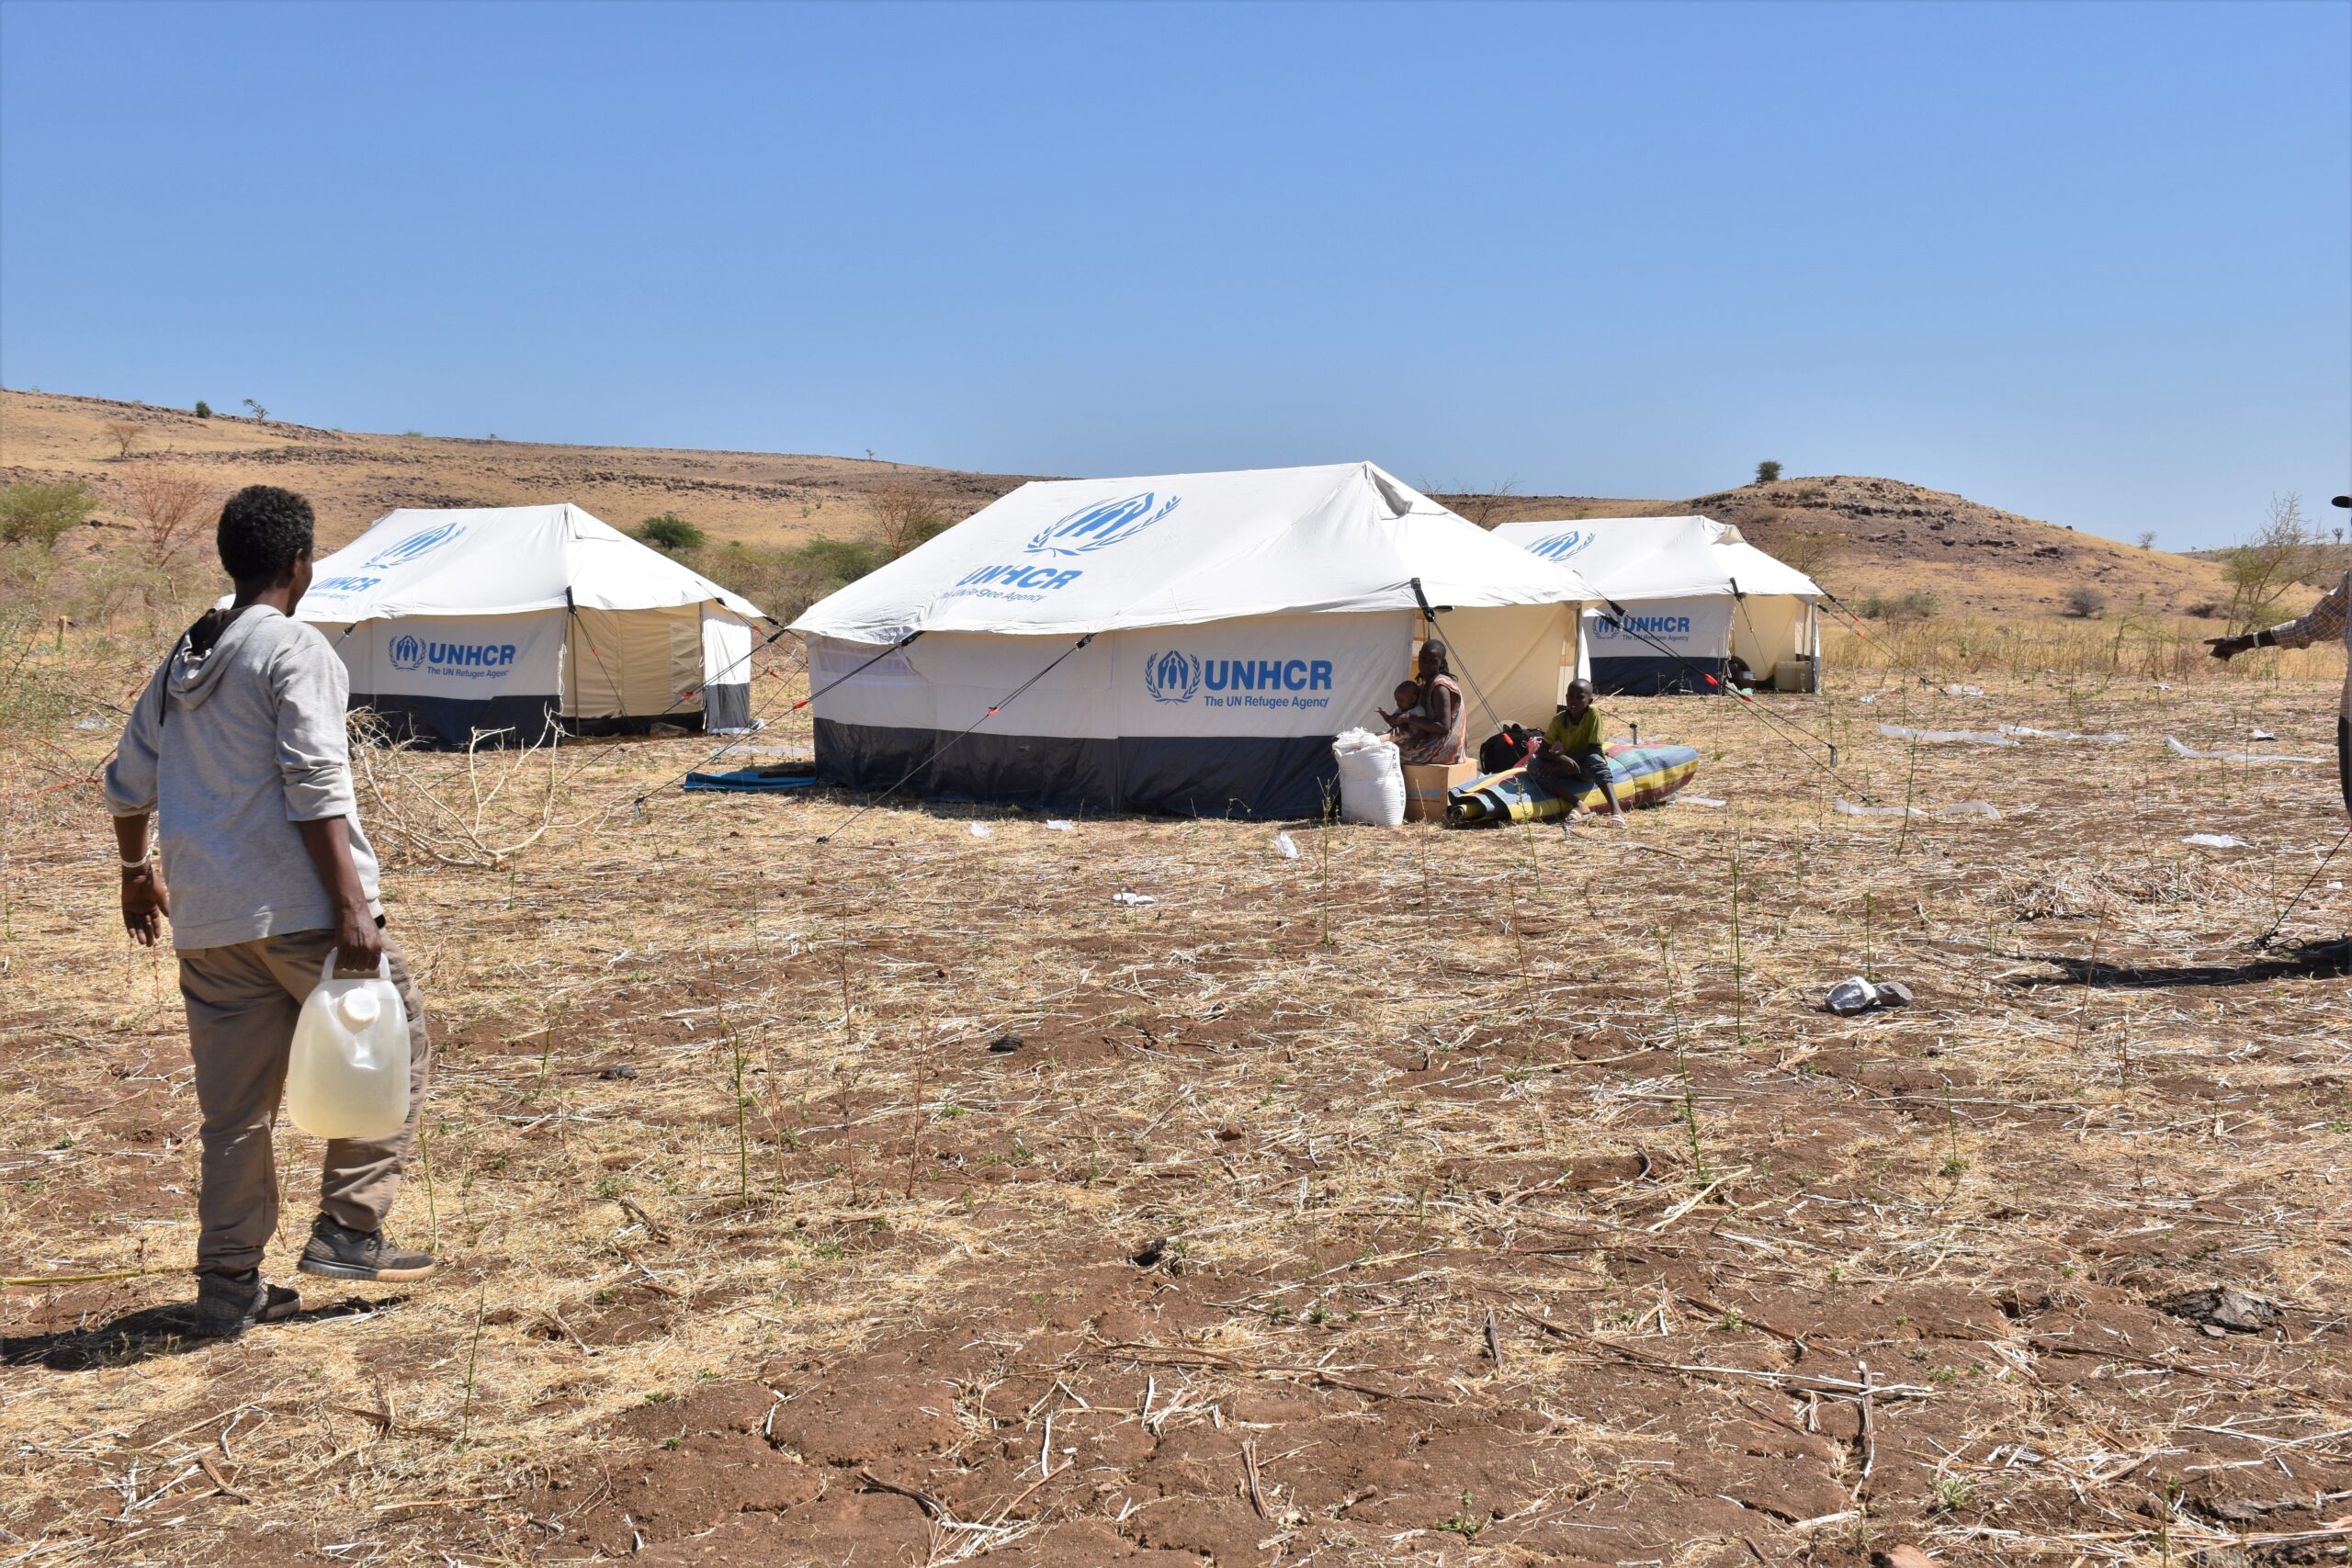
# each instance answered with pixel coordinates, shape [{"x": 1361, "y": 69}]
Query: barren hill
[
  {"x": 1860, "y": 536},
  {"x": 352, "y": 477}
]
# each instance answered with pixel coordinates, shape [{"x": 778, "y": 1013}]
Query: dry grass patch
[{"x": 1436, "y": 1196}]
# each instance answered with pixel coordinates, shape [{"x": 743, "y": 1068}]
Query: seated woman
[
  {"x": 1571, "y": 760},
  {"x": 1431, "y": 732}
]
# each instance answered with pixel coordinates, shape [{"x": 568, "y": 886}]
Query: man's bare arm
[{"x": 145, "y": 901}]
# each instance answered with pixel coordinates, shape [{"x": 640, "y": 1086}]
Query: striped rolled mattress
[{"x": 1644, "y": 775}]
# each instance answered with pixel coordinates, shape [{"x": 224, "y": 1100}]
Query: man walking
[{"x": 237, "y": 748}]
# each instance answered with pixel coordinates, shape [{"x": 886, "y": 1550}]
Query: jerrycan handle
[{"x": 383, "y": 967}]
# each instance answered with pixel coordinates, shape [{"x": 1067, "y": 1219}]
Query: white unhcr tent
[
  {"x": 1694, "y": 585},
  {"x": 521, "y": 618},
  {"x": 1232, "y": 623}
]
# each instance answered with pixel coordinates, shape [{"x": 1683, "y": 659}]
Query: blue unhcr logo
[
  {"x": 415, "y": 544},
  {"x": 475, "y": 661},
  {"x": 1101, "y": 526},
  {"x": 1560, "y": 547},
  {"x": 1172, "y": 677},
  {"x": 1668, "y": 628}
]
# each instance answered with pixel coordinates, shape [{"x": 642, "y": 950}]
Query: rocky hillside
[
  {"x": 353, "y": 478},
  {"x": 1860, "y": 536}
]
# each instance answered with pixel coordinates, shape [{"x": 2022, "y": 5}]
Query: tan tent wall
[
  {"x": 634, "y": 663},
  {"x": 1769, "y": 631},
  {"x": 1521, "y": 656}
]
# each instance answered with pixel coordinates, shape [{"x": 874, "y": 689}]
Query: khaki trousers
[{"x": 243, "y": 1001}]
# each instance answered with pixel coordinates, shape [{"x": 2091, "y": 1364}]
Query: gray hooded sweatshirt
[{"x": 230, "y": 746}]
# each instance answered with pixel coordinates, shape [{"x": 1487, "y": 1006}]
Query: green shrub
[
  {"x": 203, "y": 409},
  {"x": 1767, "y": 471},
  {"x": 668, "y": 530},
  {"x": 1916, "y": 606},
  {"x": 40, "y": 514},
  {"x": 840, "y": 560}
]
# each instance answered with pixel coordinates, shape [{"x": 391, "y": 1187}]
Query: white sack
[{"x": 1372, "y": 779}]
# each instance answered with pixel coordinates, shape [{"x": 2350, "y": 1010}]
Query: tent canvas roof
[
  {"x": 1660, "y": 557},
  {"x": 500, "y": 560},
  {"x": 1068, "y": 557}
]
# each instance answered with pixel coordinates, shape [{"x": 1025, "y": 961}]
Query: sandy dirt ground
[{"x": 1436, "y": 1196}]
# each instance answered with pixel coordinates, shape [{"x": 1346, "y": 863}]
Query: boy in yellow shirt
[{"x": 1571, "y": 760}]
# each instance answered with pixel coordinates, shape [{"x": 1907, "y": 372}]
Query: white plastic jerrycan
[{"x": 349, "y": 1074}]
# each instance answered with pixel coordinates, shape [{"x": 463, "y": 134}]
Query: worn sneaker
[
  {"x": 347, "y": 1253},
  {"x": 228, "y": 1304}
]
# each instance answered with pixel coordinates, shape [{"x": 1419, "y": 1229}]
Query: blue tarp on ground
[{"x": 753, "y": 781}]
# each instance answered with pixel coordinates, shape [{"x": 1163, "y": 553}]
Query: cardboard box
[{"x": 1427, "y": 785}]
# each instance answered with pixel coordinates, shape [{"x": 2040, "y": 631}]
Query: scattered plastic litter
[
  {"x": 1964, "y": 691},
  {"x": 1284, "y": 848},
  {"x": 1132, "y": 900},
  {"x": 2259, "y": 733},
  {"x": 1982, "y": 809},
  {"x": 982, "y": 831},
  {"x": 2216, "y": 841},
  {"x": 90, "y": 721},
  {"x": 2164, "y": 685},
  {"x": 2027, "y": 731},
  {"x": 1867, "y": 697},
  {"x": 1855, "y": 995},
  {"x": 1973, "y": 737},
  {"x": 1698, "y": 800},
  {"x": 1062, "y": 825},
  {"x": 2177, "y": 750}
]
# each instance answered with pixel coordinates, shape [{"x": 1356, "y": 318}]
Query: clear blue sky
[{"x": 2091, "y": 263}]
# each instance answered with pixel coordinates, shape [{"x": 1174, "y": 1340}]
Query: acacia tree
[
  {"x": 124, "y": 435},
  {"x": 905, "y": 517},
  {"x": 2262, "y": 569}
]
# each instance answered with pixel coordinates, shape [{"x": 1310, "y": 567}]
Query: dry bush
[
  {"x": 2262, "y": 569},
  {"x": 1811, "y": 551},
  {"x": 473, "y": 808},
  {"x": 904, "y": 518},
  {"x": 124, "y": 435},
  {"x": 1483, "y": 507},
  {"x": 2085, "y": 602},
  {"x": 173, "y": 509}
]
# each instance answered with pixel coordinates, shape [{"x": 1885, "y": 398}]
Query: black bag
[{"x": 1505, "y": 748}]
